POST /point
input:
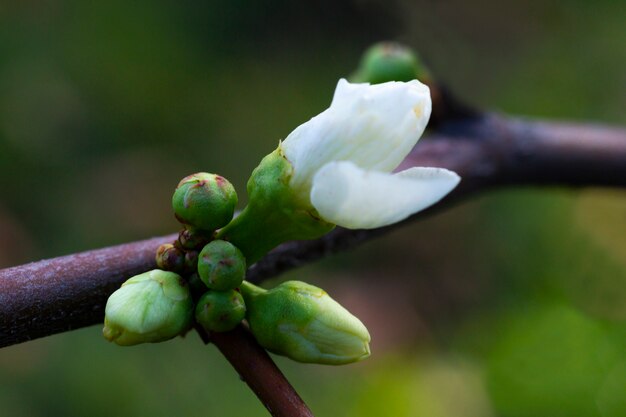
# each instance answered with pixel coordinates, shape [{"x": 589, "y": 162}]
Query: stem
[
  {"x": 69, "y": 292},
  {"x": 259, "y": 371},
  {"x": 275, "y": 212},
  {"x": 252, "y": 237},
  {"x": 61, "y": 294},
  {"x": 248, "y": 289}
]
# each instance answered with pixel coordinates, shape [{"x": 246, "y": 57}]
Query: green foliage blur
[{"x": 512, "y": 305}]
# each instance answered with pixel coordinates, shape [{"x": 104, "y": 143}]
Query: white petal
[
  {"x": 374, "y": 126},
  {"x": 351, "y": 197}
]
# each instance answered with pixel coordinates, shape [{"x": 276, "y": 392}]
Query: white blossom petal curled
[
  {"x": 374, "y": 126},
  {"x": 355, "y": 198},
  {"x": 336, "y": 169}
]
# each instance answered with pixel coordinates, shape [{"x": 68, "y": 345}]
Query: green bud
[
  {"x": 192, "y": 239},
  {"x": 220, "y": 311},
  {"x": 204, "y": 201},
  {"x": 389, "y": 61},
  {"x": 151, "y": 307},
  {"x": 221, "y": 265},
  {"x": 170, "y": 258},
  {"x": 302, "y": 322}
]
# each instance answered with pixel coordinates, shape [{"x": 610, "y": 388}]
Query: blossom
[
  {"x": 343, "y": 158},
  {"x": 336, "y": 169}
]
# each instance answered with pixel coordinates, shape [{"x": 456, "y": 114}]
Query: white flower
[
  {"x": 343, "y": 158},
  {"x": 336, "y": 169}
]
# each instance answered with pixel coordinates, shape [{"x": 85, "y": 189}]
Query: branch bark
[
  {"x": 261, "y": 374},
  {"x": 487, "y": 152},
  {"x": 70, "y": 292}
]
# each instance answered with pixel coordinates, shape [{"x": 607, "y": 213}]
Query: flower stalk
[{"x": 275, "y": 213}]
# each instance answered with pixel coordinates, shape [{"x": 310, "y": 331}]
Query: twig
[
  {"x": 487, "y": 151},
  {"x": 260, "y": 372},
  {"x": 70, "y": 292},
  {"x": 76, "y": 283}
]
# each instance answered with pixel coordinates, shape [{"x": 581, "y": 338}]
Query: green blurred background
[{"x": 513, "y": 304}]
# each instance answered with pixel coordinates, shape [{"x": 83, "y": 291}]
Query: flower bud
[
  {"x": 220, "y": 311},
  {"x": 389, "y": 61},
  {"x": 221, "y": 265},
  {"x": 192, "y": 239},
  {"x": 302, "y": 322},
  {"x": 151, "y": 307},
  {"x": 204, "y": 201},
  {"x": 170, "y": 258}
]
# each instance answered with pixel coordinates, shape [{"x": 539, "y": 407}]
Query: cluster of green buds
[
  {"x": 159, "y": 305},
  {"x": 340, "y": 168},
  {"x": 201, "y": 278},
  {"x": 204, "y": 203}
]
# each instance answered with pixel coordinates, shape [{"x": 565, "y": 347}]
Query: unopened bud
[
  {"x": 151, "y": 307},
  {"x": 302, "y": 322},
  {"x": 204, "y": 201},
  {"x": 170, "y": 258},
  {"x": 220, "y": 311},
  {"x": 192, "y": 239},
  {"x": 389, "y": 61},
  {"x": 221, "y": 265}
]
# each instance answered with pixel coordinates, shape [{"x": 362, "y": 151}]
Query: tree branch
[
  {"x": 486, "y": 151},
  {"x": 70, "y": 292},
  {"x": 261, "y": 374}
]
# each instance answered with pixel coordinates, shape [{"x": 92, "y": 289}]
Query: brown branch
[
  {"x": 261, "y": 374},
  {"x": 70, "y": 292},
  {"x": 487, "y": 151}
]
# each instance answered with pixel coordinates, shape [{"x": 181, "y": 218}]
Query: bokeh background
[{"x": 512, "y": 304}]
